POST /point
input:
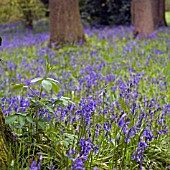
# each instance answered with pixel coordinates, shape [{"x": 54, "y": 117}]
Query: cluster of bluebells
[
  {"x": 117, "y": 100},
  {"x": 86, "y": 146},
  {"x": 36, "y": 165},
  {"x": 14, "y": 104}
]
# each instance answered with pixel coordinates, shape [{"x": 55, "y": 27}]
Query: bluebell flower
[
  {"x": 34, "y": 166},
  {"x": 168, "y": 167},
  {"x": 127, "y": 140},
  {"x": 77, "y": 165},
  {"x": 122, "y": 121},
  {"x": 96, "y": 148},
  {"x": 124, "y": 129},
  {"x": 148, "y": 134},
  {"x": 143, "y": 144}
]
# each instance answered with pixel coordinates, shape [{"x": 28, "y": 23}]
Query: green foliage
[
  {"x": 17, "y": 10},
  {"x": 46, "y": 4},
  {"x": 106, "y": 12},
  {"x": 167, "y": 5},
  {"x": 110, "y": 53},
  {"x": 8, "y": 12},
  {"x": 32, "y": 129},
  {"x": 167, "y": 15}
]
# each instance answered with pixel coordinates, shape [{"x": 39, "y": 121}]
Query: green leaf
[
  {"x": 52, "y": 80},
  {"x": 21, "y": 120},
  {"x": 49, "y": 109},
  {"x": 17, "y": 87},
  {"x": 66, "y": 100},
  {"x": 70, "y": 136},
  {"x": 66, "y": 143},
  {"x": 46, "y": 85},
  {"x": 55, "y": 84},
  {"x": 25, "y": 87},
  {"x": 10, "y": 119},
  {"x": 55, "y": 87},
  {"x": 63, "y": 100},
  {"x": 47, "y": 64},
  {"x": 57, "y": 101},
  {"x": 36, "y": 80},
  {"x": 41, "y": 123},
  {"x": 48, "y": 67},
  {"x": 29, "y": 119}
]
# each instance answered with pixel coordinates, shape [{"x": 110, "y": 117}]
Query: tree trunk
[
  {"x": 159, "y": 13},
  {"x": 155, "y": 12},
  {"x": 147, "y": 15},
  {"x": 6, "y": 141},
  {"x": 162, "y": 20},
  {"x": 65, "y": 22},
  {"x": 132, "y": 12},
  {"x": 143, "y": 17}
]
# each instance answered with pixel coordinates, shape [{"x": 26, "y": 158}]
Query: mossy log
[{"x": 6, "y": 142}]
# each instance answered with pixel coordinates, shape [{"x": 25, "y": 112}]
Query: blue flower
[
  {"x": 148, "y": 134},
  {"x": 34, "y": 166},
  {"x": 143, "y": 145},
  {"x": 78, "y": 165}
]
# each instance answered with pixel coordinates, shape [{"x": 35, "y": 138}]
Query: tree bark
[
  {"x": 147, "y": 15},
  {"x": 6, "y": 141},
  {"x": 65, "y": 22},
  {"x": 155, "y": 12},
  {"x": 143, "y": 17},
  {"x": 162, "y": 20},
  {"x": 159, "y": 13},
  {"x": 132, "y": 12}
]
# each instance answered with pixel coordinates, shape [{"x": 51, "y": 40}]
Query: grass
[
  {"x": 167, "y": 15},
  {"x": 105, "y": 106}
]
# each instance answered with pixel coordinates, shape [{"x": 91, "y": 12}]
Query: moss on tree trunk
[{"x": 6, "y": 141}]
